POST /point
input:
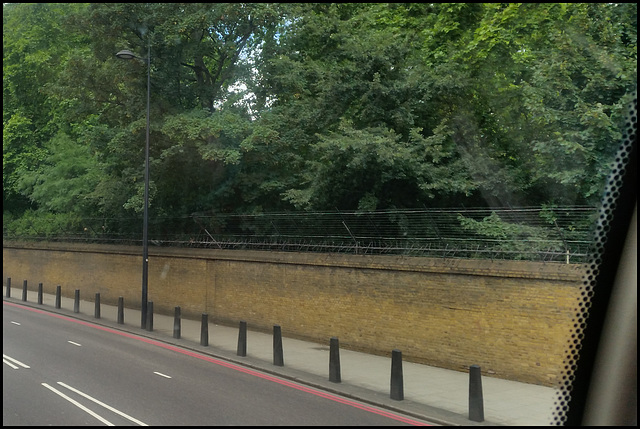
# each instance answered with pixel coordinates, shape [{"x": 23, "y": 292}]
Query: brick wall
[{"x": 512, "y": 318}]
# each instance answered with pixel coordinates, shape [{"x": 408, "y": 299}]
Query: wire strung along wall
[{"x": 560, "y": 234}]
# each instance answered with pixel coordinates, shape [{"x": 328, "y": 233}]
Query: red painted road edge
[{"x": 231, "y": 366}]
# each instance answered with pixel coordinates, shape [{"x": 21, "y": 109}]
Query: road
[{"x": 63, "y": 371}]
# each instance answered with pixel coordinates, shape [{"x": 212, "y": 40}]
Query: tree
[
  {"x": 65, "y": 180},
  {"x": 263, "y": 107},
  {"x": 198, "y": 53},
  {"x": 354, "y": 107},
  {"x": 544, "y": 99},
  {"x": 35, "y": 45}
]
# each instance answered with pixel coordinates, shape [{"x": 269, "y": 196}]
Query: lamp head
[{"x": 126, "y": 55}]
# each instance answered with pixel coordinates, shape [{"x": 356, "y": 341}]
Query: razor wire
[{"x": 560, "y": 234}]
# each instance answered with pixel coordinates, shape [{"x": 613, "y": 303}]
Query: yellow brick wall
[{"x": 512, "y": 318}]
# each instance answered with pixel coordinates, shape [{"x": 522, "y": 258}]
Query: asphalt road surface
[{"x": 58, "y": 370}]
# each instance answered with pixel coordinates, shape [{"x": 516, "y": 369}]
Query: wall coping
[{"x": 480, "y": 267}]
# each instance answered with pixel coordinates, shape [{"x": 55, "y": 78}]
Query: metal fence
[{"x": 561, "y": 234}]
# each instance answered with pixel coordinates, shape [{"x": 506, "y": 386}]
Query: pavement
[{"x": 437, "y": 395}]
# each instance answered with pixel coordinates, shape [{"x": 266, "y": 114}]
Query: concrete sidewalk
[{"x": 434, "y": 394}]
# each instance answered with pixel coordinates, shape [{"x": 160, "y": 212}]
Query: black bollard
[
  {"x": 8, "y": 287},
  {"x": 476, "y": 402},
  {"x": 278, "y": 357},
  {"x": 334, "y": 360},
  {"x": 58, "y": 296},
  {"x": 176, "y": 323},
  {"x": 120, "y": 310},
  {"x": 242, "y": 339},
  {"x": 204, "y": 330},
  {"x": 96, "y": 312},
  {"x": 24, "y": 290},
  {"x": 397, "y": 381},
  {"x": 76, "y": 302},
  {"x": 40, "y": 293},
  {"x": 149, "y": 316}
]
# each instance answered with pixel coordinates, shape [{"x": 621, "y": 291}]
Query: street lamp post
[{"x": 128, "y": 55}]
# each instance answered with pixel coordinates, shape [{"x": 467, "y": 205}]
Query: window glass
[{"x": 452, "y": 131}]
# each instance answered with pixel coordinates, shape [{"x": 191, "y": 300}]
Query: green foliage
[
  {"x": 65, "y": 179},
  {"x": 534, "y": 101},
  {"x": 520, "y": 241},
  {"x": 17, "y": 152},
  {"x": 34, "y": 46},
  {"x": 557, "y": 231},
  {"x": 477, "y": 74},
  {"x": 215, "y": 136},
  {"x": 40, "y": 225},
  {"x": 271, "y": 107},
  {"x": 374, "y": 168}
]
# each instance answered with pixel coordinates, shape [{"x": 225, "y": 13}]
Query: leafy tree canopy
[{"x": 259, "y": 107}]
